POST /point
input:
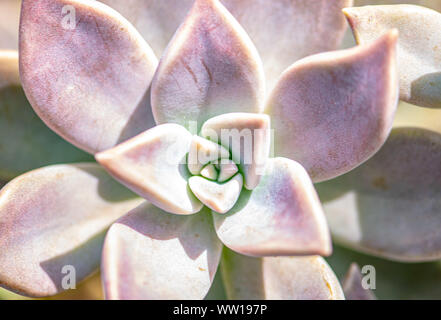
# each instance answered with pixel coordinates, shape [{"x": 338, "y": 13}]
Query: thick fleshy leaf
[
  {"x": 9, "y": 19},
  {"x": 26, "y": 142},
  {"x": 151, "y": 254},
  {"x": 279, "y": 278},
  {"x": 353, "y": 285},
  {"x": 55, "y": 217},
  {"x": 287, "y": 30},
  {"x": 281, "y": 216},
  {"x": 334, "y": 110},
  {"x": 153, "y": 165},
  {"x": 211, "y": 67},
  {"x": 209, "y": 172},
  {"x": 433, "y": 4},
  {"x": 203, "y": 151},
  {"x": 390, "y": 206},
  {"x": 87, "y": 78},
  {"x": 247, "y": 136},
  {"x": 9, "y": 75},
  {"x": 392, "y": 280},
  {"x": 419, "y": 46},
  {"x": 219, "y": 197}
]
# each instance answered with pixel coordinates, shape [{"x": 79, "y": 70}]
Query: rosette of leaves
[{"x": 100, "y": 87}]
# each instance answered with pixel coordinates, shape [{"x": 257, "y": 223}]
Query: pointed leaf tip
[
  {"x": 334, "y": 110},
  {"x": 279, "y": 278},
  {"x": 210, "y": 67},
  {"x": 153, "y": 165},
  {"x": 281, "y": 216}
]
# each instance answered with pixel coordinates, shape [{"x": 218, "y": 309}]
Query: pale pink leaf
[
  {"x": 86, "y": 71},
  {"x": 151, "y": 254}
]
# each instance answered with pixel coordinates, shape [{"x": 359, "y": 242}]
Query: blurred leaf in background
[{"x": 394, "y": 280}]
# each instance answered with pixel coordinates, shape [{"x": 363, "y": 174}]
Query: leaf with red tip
[
  {"x": 87, "y": 77},
  {"x": 53, "y": 217},
  {"x": 419, "y": 46},
  {"x": 390, "y": 206},
  {"x": 278, "y": 278},
  {"x": 334, "y": 110},
  {"x": 152, "y": 164},
  {"x": 210, "y": 67},
  {"x": 151, "y": 254},
  {"x": 281, "y": 216}
]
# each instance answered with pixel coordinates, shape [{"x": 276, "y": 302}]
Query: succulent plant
[{"x": 209, "y": 156}]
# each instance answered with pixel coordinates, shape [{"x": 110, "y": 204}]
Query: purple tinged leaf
[
  {"x": 86, "y": 75},
  {"x": 219, "y": 197},
  {"x": 152, "y": 164},
  {"x": 281, "y": 216},
  {"x": 334, "y": 110},
  {"x": 151, "y": 254}
]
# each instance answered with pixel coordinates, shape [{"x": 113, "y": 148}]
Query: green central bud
[{"x": 216, "y": 180}]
